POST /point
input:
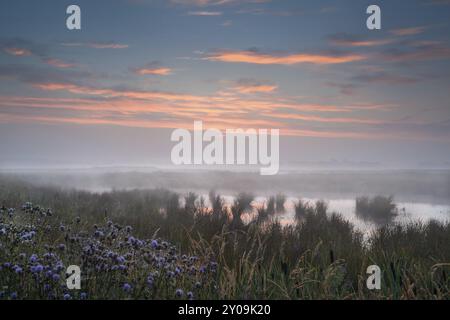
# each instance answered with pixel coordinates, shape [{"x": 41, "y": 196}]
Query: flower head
[
  {"x": 179, "y": 293},
  {"x": 126, "y": 287}
]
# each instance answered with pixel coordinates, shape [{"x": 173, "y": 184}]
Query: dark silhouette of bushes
[{"x": 379, "y": 209}]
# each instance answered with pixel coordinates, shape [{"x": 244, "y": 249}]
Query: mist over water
[{"x": 420, "y": 195}]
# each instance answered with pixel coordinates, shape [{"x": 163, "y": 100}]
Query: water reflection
[{"x": 406, "y": 211}]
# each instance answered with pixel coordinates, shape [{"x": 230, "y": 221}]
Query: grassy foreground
[{"x": 143, "y": 244}]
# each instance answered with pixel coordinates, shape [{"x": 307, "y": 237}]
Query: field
[{"x": 147, "y": 244}]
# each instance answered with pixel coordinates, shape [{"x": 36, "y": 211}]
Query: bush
[{"x": 379, "y": 209}]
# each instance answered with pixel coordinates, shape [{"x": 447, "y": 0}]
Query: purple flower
[
  {"x": 190, "y": 295},
  {"x": 154, "y": 244},
  {"x": 59, "y": 266},
  {"x": 14, "y": 295},
  {"x": 56, "y": 277},
  {"x": 120, "y": 259},
  {"x": 18, "y": 269},
  {"x": 131, "y": 240},
  {"x": 179, "y": 293},
  {"x": 150, "y": 281},
  {"x": 61, "y": 247},
  {"x": 126, "y": 287},
  {"x": 33, "y": 258},
  {"x": 67, "y": 296},
  {"x": 122, "y": 267},
  {"x": 98, "y": 234},
  {"x": 83, "y": 296},
  {"x": 38, "y": 268}
]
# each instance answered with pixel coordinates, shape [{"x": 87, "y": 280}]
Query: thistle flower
[
  {"x": 37, "y": 269},
  {"x": 17, "y": 269},
  {"x": 99, "y": 234},
  {"x": 126, "y": 287},
  {"x": 150, "y": 281},
  {"x": 170, "y": 274},
  {"x": 131, "y": 240},
  {"x": 122, "y": 267},
  {"x": 179, "y": 293}
]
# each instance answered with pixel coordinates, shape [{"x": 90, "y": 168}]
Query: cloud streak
[
  {"x": 153, "y": 69},
  {"x": 253, "y": 57},
  {"x": 402, "y": 32},
  {"x": 96, "y": 45},
  {"x": 205, "y": 13},
  {"x": 344, "y": 39}
]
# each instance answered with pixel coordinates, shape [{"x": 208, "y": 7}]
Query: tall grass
[{"x": 320, "y": 256}]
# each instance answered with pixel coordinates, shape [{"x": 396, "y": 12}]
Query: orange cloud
[
  {"x": 291, "y": 59},
  {"x": 361, "y": 43},
  {"x": 309, "y": 118},
  {"x": 408, "y": 31},
  {"x": 152, "y": 109},
  {"x": 154, "y": 71},
  {"x": 17, "y": 51},
  {"x": 59, "y": 63},
  {"x": 256, "y": 88}
]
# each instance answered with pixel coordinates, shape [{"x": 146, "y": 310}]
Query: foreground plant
[{"x": 36, "y": 249}]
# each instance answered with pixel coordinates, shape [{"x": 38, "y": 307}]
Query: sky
[{"x": 112, "y": 92}]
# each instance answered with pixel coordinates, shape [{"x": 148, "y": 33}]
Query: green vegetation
[{"x": 184, "y": 249}]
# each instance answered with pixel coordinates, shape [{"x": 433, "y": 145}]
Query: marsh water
[
  {"x": 420, "y": 195},
  {"x": 346, "y": 207}
]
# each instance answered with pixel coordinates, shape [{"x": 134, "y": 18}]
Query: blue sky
[{"x": 141, "y": 68}]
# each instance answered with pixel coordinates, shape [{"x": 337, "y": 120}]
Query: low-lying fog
[{"x": 419, "y": 194}]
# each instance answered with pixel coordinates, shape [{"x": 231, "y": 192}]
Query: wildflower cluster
[{"x": 36, "y": 248}]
